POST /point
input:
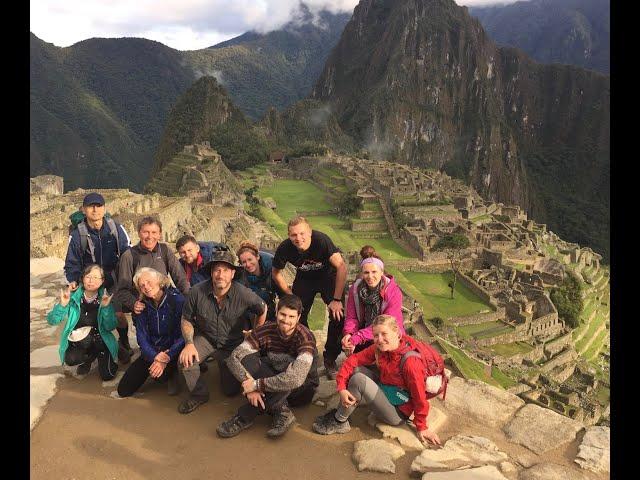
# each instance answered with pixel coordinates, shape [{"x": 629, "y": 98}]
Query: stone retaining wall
[
  {"x": 493, "y": 316},
  {"x": 368, "y": 226}
]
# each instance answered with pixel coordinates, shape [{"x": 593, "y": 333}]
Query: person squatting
[{"x": 245, "y": 317}]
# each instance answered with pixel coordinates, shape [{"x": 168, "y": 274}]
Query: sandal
[{"x": 190, "y": 405}]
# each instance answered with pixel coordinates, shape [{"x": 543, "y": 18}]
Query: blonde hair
[
  {"x": 161, "y": 277},
  {"x": 297, "y": 221},
  {"x": 387, "y": 320}
]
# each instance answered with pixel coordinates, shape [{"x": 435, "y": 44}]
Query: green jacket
[{"x": 106, "y": 321}]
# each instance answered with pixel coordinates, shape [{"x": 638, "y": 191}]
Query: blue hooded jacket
[
  {"x": 158, "y": 329},
  {"x": 262, "y": 285}
]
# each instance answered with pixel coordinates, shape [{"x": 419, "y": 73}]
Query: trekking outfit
[
  {"x": 102, "y": 247},
  {"x": 217, "y": 331},
  {"x": 364, "y": 304},
  {"x": 87, "y": 334},
  {"x": 285, "y": 369},
  {"x": 314, "y": 274},
  {"x": 262, "y": 285},
  {"x": 197, "y": 275},
  {"x": 157, "y": 330},
  {"x": 160, "y": 259},
  {"x": 393, "y": 386}
]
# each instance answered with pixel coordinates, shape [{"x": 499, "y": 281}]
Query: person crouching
[
  {"x": 157, "y": 331},
  {"x": 277, "y": 365}
]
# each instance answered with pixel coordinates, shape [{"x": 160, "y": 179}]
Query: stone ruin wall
[
  {"x": 498, "y": 314},
  {"x": 556, "y": 345},
  {"x": 477, "y": 289},
  {"x": 531, "y": 356}
]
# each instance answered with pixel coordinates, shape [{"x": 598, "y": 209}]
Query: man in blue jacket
[
  {"x": 98, "y": 240},
  {"x": 193, "y": 256}
]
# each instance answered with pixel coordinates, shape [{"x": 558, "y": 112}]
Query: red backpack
[{"x": 433, "y": 367}]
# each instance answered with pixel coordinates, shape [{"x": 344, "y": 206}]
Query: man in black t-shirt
[{"x": 319, "y": 269}]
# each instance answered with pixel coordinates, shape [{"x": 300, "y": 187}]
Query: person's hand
[
  {"x": 138, "y": 307},
  {"x": 65, "y": 296},
  {"x": 188, "y": 355},
  {"x": 248, "y": 386},
  {"x": 162, "y": 357},
  {"x": 347, "y": 345},
  {"x": 106, "y": 298},
  {"x": 347, "y": 399},
  {"x": 255, "y": 399},
  {"x": 429, "y": 436},
  {"x": 156, "y": 369},
  {"x": 336, "y": 312},
  {"x": 73, "y": 286}
]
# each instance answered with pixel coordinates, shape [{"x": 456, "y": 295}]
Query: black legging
[
  {"x": 137, "y": 374},
  {"x": 87, "y": 350}
]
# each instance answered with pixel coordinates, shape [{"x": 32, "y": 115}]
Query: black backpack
[{"x": 78, "y": 222}]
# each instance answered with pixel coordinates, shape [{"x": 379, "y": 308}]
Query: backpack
[
  {"x": 434, "y": 372},
  {"x": 78, "y": 222},
  {"x": 164, "y": 253}
]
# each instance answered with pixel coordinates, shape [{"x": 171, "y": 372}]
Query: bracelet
[{"x": 337, "y": 299}]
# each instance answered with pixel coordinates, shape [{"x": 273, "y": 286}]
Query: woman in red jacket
[{"x": 393, "y": 395}]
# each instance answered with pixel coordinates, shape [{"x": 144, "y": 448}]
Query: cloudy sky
[{"x": 180, "y": 24}]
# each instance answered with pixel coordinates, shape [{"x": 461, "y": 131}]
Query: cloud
[{"x": 181, "y": 24}]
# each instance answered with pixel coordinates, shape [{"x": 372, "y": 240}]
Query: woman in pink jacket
[{"x": 373, "y": 294}]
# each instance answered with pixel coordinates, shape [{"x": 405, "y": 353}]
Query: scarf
[{"x": 372, "y": 301}]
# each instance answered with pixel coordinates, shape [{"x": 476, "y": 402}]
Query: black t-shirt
[
  {"x": 88, "y": 314},
  {"x": 313, "y": 262}
]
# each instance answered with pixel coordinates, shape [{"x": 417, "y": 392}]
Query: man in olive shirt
[{"x": 215, "y": 318}]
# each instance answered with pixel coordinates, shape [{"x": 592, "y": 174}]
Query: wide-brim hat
[{"x": 224, "y": 256}]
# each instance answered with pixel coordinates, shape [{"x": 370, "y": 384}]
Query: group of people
[{"x": 246, "y": 317}]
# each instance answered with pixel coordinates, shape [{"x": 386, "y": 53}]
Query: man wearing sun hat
[{"x": 215, "y": 320}]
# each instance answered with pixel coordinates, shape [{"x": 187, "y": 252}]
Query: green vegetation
[
  {"x": 510, "y": 349},
  {"x": 484, "y": 330},
  {"x": 293, "y": 196},
  {"x": 452, "y": 245},
  {"x": 474, "y": 369},
  {"x": 432, "y": 291},
  {"x": 317, "y": 314},
  {"x": 568, "y": 300}
]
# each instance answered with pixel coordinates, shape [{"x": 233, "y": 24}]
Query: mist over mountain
[
  {"x": 421, "y": 82},
  {"x": 575, "y": 32}
]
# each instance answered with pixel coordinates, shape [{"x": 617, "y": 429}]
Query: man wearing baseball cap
[
  {"x": 98, "y": 239},
  {"x": 215, "y": 320}
]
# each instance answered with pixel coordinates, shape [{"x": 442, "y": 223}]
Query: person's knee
[
  {"x": 251, "y": 363},
  {"x": 357, "y": 382},
  {"x": 230, "y": 390},
  {"x": 123, "y": 391}
]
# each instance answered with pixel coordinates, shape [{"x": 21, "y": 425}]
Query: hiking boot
[
  {"x": 233, "y": 426},
  {"x": 124, "y": 356},
  {"x": 83, "y": 368},
  {"x": 190, "y": 404},
  {"x": 282, "y": 421},
  {"x": 328, "y": 425},
  {"x": 330, "y": 369}
]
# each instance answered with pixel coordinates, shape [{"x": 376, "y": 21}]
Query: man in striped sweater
[{"x": 277, "y": 365}]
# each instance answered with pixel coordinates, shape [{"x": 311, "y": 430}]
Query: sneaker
[
  {"x": 124, "y": 356},
  {"x": 328, "y": 425},
  {"x": 190, "y": 404},
  {"x": 232, "y": 427},
  {"x": 330, "y": 369},
  {"x": 282, "y": 421},
  {"x": 83, "y": 368}
]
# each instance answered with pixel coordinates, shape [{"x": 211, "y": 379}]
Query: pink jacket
[{"x": 391, "y": 305}]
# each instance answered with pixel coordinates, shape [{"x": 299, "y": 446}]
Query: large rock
[
  {"x": 326, "y": 389},
  {"x": 593, "y": 452},
  {"x": 406, "y": 435},
  {"x": 459, "y": 451},
  {"x": 42, "y": 388},
  {"x": 45, "y": 266},
  {"x": 488, "y": 472},
  {"x": 45, "y": 357},
  {"x": 551, "y": 471},
  {"x": 487, "y": 405},
  {"x": 540, "y": 429},
  {"x": 376, "y": 456},
  {"x": 37, "y": 292},
  {"x": 42, "y": 303}
]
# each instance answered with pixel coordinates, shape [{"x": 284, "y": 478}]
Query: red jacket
[{"x": 411, "y": 378}]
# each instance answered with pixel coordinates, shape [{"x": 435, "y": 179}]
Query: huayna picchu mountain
[{"x": 419, "y": 81}]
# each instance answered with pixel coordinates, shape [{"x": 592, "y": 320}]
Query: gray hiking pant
[
  {"x": 363, "y": 386},
  {"x": 194, "y": 379}
]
